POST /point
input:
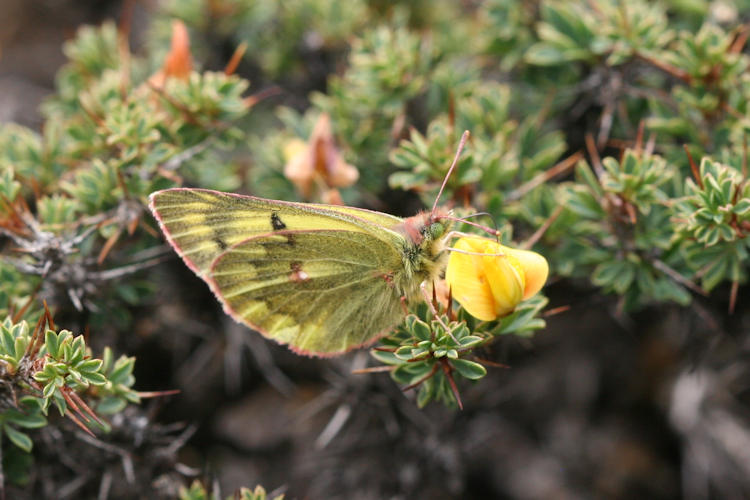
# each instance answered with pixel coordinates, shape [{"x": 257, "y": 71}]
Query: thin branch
[
  {"x": 661, "y": 266},
  {"x": 733, "y": 295},
  {"x": 234, "y": 61},
  {"x": 693, "y": 167},
  {"x": 374, "y": 369},
  {"x": 334, "y": 426},
  {"x": 596, "y": 160},
  {"x": 543, "y": 228},
  {"x": 447, "y": 370},
  {"x": 429, "y": 374},
  {"x": 128, "y": 269},
  {"x": 552, "y": 172}
]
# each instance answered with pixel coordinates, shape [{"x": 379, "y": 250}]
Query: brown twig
[
  {"x": 693, "y": 167},
  {"x": 374, "y": 369},
  {"x": 661, "y": 266},
  {"x": 447, "y": 369},
  {"x": 543, "y": 228},
  {"x": 429, "y": 374},
  {"x": 262, "y": 95},
  {"x": 667, "y": 68},
  {"x": 596, "y": 160},
  {"x": 234, "y": 61},
  {"x": 555, "y": 311},
  {"x": 552, "y": 172},
  {"x": 733, "y": 295}
]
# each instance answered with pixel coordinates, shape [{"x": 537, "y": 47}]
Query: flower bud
[{"x": 491, "y": 279}]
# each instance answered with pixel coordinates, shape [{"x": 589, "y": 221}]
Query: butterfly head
[{"x": 426, "y": 228}]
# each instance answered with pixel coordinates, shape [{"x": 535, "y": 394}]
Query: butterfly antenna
[
  {"x": 461, "y": 144},
  {"x": 492, "y": 231}
]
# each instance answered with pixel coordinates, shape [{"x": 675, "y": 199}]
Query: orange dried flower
[
  {"x": 318, "y": 163},
  {"x": 179, "y": 60}
]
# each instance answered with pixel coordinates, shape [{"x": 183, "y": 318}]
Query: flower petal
[{"x": 491, "y": 285}]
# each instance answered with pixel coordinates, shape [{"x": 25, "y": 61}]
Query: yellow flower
[{"x": 492, "y": 284}]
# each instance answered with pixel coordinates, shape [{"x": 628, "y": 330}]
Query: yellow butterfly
[{"x": 322, "y": 279}]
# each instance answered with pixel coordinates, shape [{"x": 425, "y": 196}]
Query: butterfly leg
[
  {"x": 403, "y": 305},
  {"x": 428, "y": 299}
]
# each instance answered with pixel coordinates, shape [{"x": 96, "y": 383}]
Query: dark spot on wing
[
  {"x": 276, "y": 223},
  {"x": 220, "y": 243}
]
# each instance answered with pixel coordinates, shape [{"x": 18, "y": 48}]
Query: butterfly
[{"x": 322, "y": 279}]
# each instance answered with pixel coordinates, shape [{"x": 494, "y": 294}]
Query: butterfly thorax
[{"x": 423, "y": 253}]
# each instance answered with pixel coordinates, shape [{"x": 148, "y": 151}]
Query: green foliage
[
  {"x": 112, "y": 137},
  {"x": 609, "y": 30},
  {"x": 621, "y": 237},
  {"x": 280, "y": 35},
  {"x": 198, "y": 492},
  {"x": 387, "y": 69},
  {"x": 42, "y": 367},
  {"x": 423, "y": 354},
  {"x": 713, "y": 219}
]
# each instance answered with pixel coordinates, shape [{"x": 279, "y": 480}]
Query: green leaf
[
  {"x": 18, "y": 438},
  {"x": 30, "y": 420},
  {"x": 51, "y": 343},
  {"x": 385, "y": 357},
  {"x": 110, "y": 405},
  {"x": 90, "y": 366},
  {"x": 544, "y": 54},
  {"x": 421, "y": 330},
  {"x": 95, "y": 378},
  {"x": 469, "y": 369},
  {"x": 425, "y": 394}
]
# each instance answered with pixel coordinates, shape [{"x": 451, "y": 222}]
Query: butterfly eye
[{"x": 436, "y": 230}]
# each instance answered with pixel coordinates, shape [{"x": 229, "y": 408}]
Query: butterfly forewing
[
  {"x": 320, "y": 291},
  {"x": 201, "y": 224}
]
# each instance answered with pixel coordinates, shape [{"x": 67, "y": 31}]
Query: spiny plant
[
  {"x": 42, "y": 367},
  {"x": 197, "y": 491},
  {"x": 580, "y": 114}
]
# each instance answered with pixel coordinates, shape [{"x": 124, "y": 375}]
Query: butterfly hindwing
[{"x": 319, "y": 291}]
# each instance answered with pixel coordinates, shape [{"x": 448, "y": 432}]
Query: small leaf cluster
[
  {"x": 649, "y": 61},
  {"x": 621, "y": 236},
  {"x": 424, "y": 354},
  {"x": 610, "y": 31},
  {"x": 283, "y": 38},
  {"x": 43, "y": 368},
  {"x": 113, "y": 134},
  {"x": 639, "y": 233},
  {"x": 197, "y": 491},
  {"x": 387, "y": 70},
  {"x": 713, "y": 218}
]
